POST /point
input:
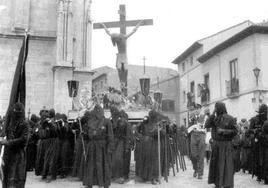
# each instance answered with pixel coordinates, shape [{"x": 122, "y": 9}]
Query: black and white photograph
[{"x": 133, "y": 94}]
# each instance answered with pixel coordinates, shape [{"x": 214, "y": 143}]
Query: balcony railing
[{"x": 232, "y": 88}]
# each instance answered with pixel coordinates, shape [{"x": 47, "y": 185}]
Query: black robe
[
  {"x": 264, "y": 141},
  {"x": 66, "y": 140},
  {"x": 147, "y": 162},
  {"x": 97, "y": 168},
  {"x": 221, "y": 169},
  {"x": 121, "y": 147},
  {"x": 39, "y": 162},
  {"x": 79, "y": 159},
  {"x": 15, "y": 154},
  {"x": 48, "y": 150},
  {"x": 256, "y": 124},
  {"x": 32, "y": 146}
]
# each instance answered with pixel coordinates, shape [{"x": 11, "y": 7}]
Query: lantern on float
[
  {"x": 145, "y": 86},
  {"x": 73, "y": 86},
  {"x": 158, "y": 95}
]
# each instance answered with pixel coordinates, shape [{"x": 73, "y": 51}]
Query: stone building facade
[
  {"x": 60, "y": 39},
  {"x": 223, "y": 71}
]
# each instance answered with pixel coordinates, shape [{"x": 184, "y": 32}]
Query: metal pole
[{"x": 258, "y": 92}]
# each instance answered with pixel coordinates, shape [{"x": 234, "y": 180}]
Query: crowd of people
[
  {"x": 97, "y": 150},
  {"x": 229, "y": 145},
  {"x": 94, "y": 149}
]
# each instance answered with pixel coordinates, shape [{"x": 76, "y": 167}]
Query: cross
[
  {"x": 123, "y": 23},
  {"x": 144, "y": 59},
  {"x": 120, "y": 41}
]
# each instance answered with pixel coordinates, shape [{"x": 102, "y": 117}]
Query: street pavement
[{"x": 182, "y": 179}]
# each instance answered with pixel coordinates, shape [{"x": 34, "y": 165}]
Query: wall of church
[
  {"x": 9, "y": 51},
  {"x": 41, "y": 20},
  {"x": 39, "y": 17},
  {"x": 41, "y": 58},
  {"x": 43, "y": 17}
]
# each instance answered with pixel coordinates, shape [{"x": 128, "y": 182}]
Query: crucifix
[{"x": 120, "y": 40}]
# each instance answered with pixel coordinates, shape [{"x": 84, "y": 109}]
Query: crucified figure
[{"x": 120, "y": 40}]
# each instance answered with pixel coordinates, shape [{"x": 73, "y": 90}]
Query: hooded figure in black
[
  {"x": 223, "y": 130},
  {"x": 121, "y": 146},
  {"x": 41, "y": 143},
  {"x": 15, "y": 149},
  {"x": 99, "y": 136},
  {"x": 264, "y": 142},
  {"x": 256, "y": 124},
  {"x": 32, "y": 144},
  {"x": 48, "y": 134},
  {"x": 66, "y": 138},
  {"x": 147, "y": 156},
  {"x": 79, "y": 157}
]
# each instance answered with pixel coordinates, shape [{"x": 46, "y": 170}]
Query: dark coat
[
  {"x": 97, "y": 168},
  {"x": 221, "y": 169},
  {"x": 32, "y": 146},
  {"x": 147, "y": 152},
  {"x": 48, "y": 150},
  {"x": 264, "y": 145},
  {"x": 66, "y": 153},
  {"x": 79, "y": 159},
  {"x": 15, "y": 155},
  {"x": 256, "y": 124},
  {"x": 121, "y": 146}
]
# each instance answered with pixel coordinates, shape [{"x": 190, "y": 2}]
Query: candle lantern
[{"x": 73, "y": 86}]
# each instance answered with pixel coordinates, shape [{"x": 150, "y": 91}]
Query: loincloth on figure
[{"x": 121, "y": 61}]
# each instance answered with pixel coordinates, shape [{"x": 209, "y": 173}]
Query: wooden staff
[
  {"x": 183, "y": 163},
  {"x": 82, "y": 138},
  {"x": 176, "y": 154},
  {"x": 171, "y": 156},
  {"x": 166, "y": 158},
  {"x": 180, "y": 160},
  {"x": 159, "y": 152}
]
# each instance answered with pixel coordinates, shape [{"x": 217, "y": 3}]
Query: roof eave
[
  {"x": 231, "y": 41},
  {"x": 187, "y": 52}
]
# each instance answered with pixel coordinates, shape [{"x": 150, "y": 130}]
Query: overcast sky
[{"x": 177, "y": 24}]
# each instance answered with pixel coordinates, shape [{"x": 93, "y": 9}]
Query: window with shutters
[
  {"x": 191, "y": 60},
  {"x": 232, "y": 85},
  {"x": 183, "y": 66}
]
